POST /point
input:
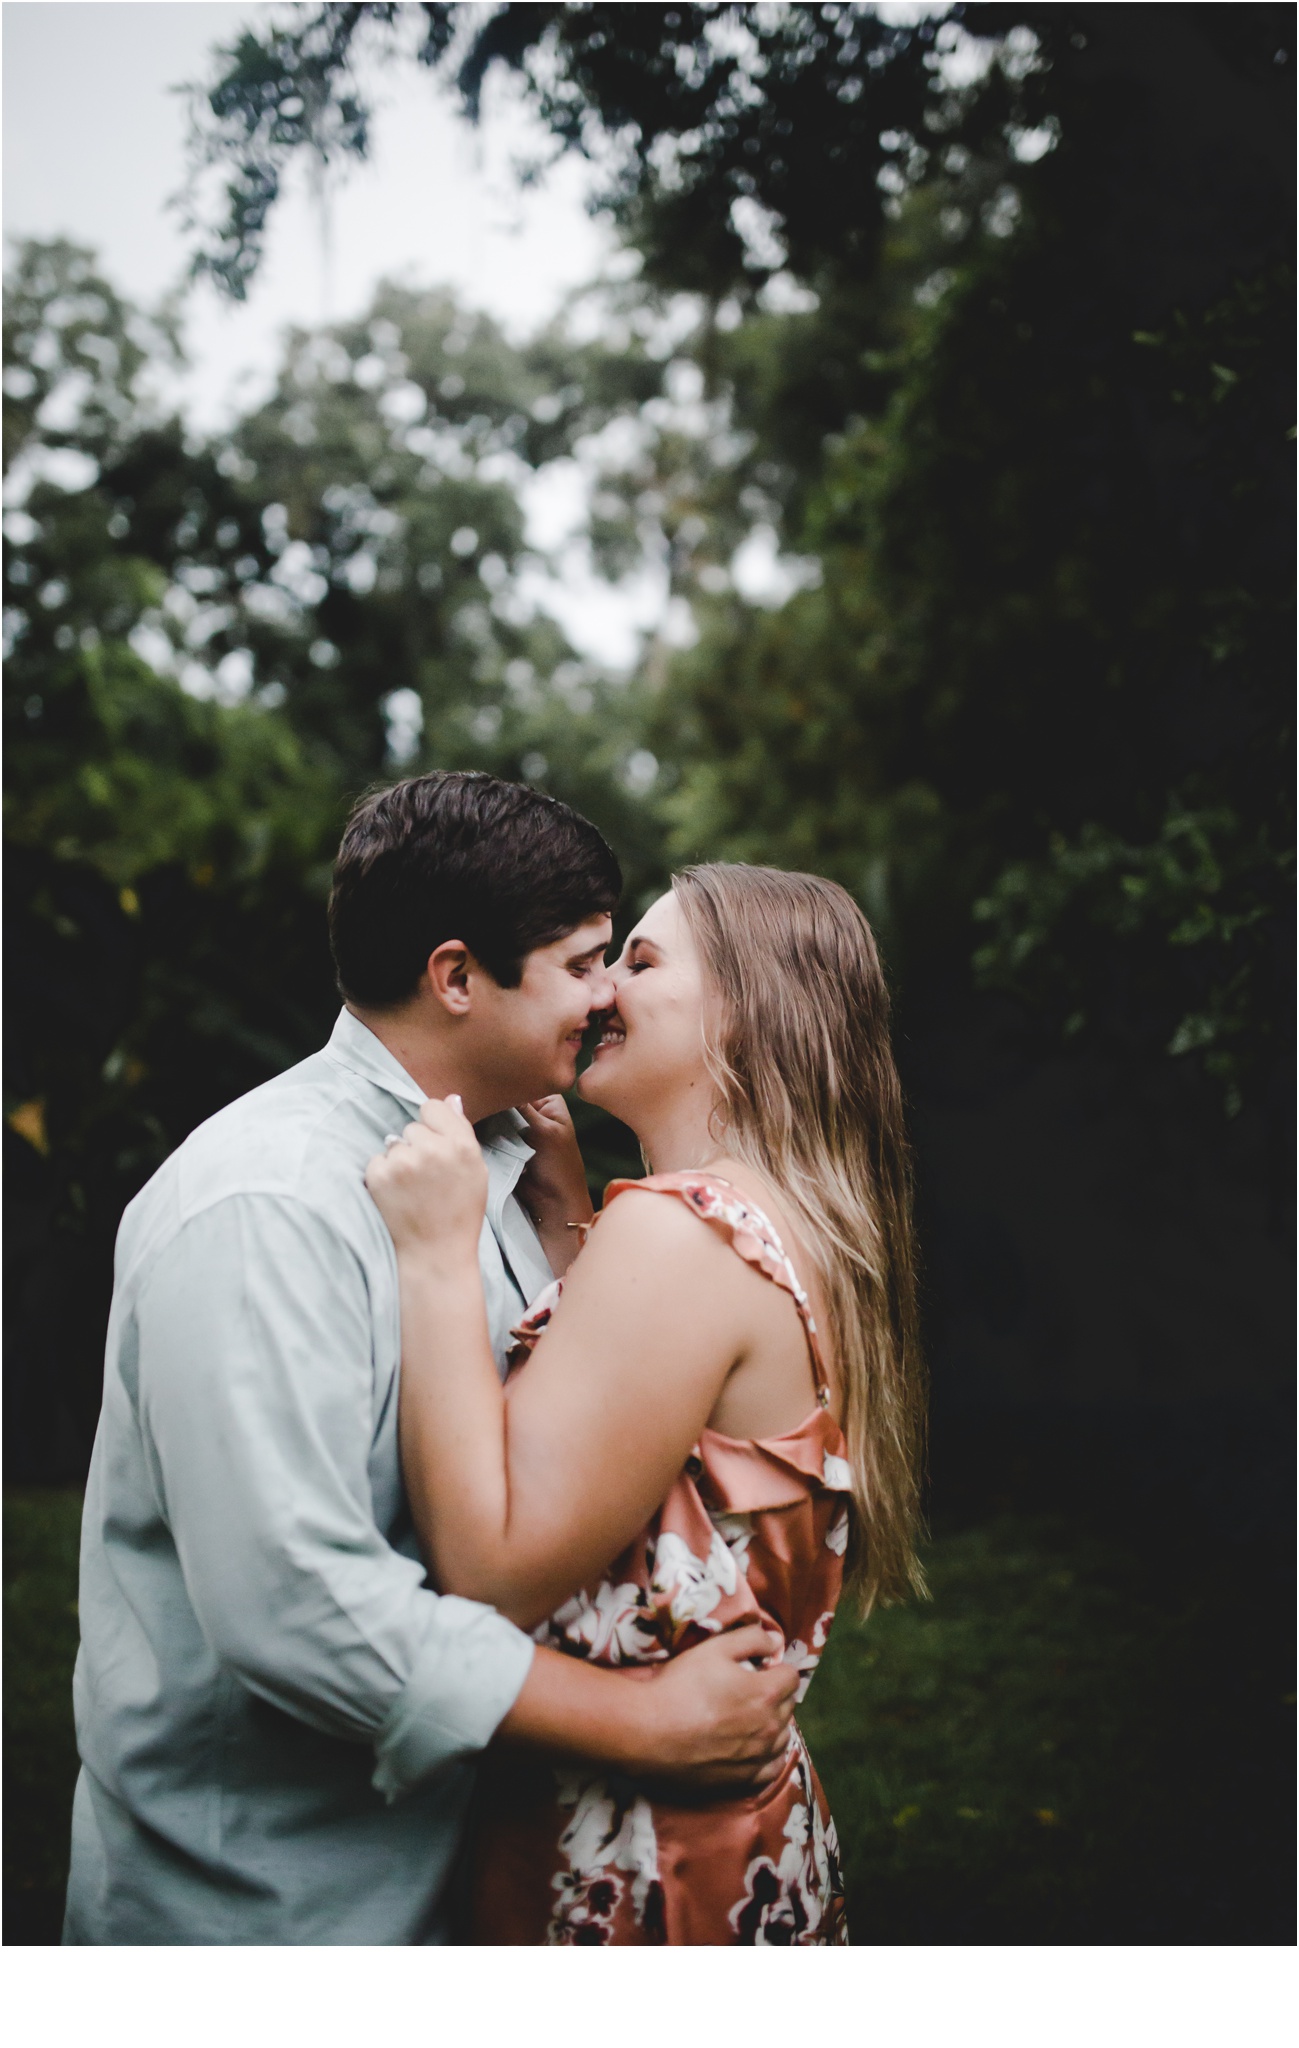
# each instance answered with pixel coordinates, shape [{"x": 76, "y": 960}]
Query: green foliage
[
  {"x": 1054, "y": 617},
  {"x": 128, "y": 773},
  {"x": 1000, "y": 704},
  {"x": 41, "y": 1535},
  {"x": 159, "y": 843},
  {"x": 1000, "y": 370},
  {"x": 387, "y": 467},
  {"x": 213, "y": 647},
  {"x": 1204, "y": 882},
  {"x": 704, "y": 108},
  {"x": 287, "y": 90},
  {"x": 67, "y": 332},
  {"x": 1027, "y": 418},
  {"x": 1042, "y": 1753}
]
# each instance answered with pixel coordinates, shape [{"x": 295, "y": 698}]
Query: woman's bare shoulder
[
  {"x": 671, "y": 1212},
  {"x": 646, "y": 1214},
  {"x": 759, "y": 1192},
  {"x": 653, "y": 1269},
  {"x": 660, "y": 1246},
  {"x": 765, "y": 1196}
]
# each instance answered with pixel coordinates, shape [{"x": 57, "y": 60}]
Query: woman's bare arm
[{"x": 518, "y": 1500}]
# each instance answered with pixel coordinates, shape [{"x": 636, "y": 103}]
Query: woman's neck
[{"x": 678, "y": 1135}]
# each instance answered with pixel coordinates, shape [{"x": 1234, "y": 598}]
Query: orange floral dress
[{"x": 751, "y": 1530}]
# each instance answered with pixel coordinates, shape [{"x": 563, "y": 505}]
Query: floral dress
[{"x": 751, "y": 1530}]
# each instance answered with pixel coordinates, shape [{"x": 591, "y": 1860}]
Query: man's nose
[{"x": 602, "y": 989}]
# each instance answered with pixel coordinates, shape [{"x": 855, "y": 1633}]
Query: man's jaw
[{"x": 567, "y": 1054}]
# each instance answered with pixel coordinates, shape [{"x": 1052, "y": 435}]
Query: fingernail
[{"x": 456, "y": 1103}]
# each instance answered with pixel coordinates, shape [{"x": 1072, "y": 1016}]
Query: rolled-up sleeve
[{"x": 256, "y": 1400}]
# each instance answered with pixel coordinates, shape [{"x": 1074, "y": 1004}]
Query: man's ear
[{"x": 448, "y": 973}]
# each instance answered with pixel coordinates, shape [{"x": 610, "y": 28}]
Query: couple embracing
[{"x": 452, "y": 1559}]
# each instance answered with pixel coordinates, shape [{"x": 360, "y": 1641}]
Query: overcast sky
[{"x": 94, "y": 148}]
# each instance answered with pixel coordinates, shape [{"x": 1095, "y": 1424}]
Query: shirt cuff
[{"x": 465, "y": 1679}]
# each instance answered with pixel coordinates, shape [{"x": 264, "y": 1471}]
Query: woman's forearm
[
  {"x": 452, "y": 1425},
  {"x": 455, "y": 1446},
  {"x": 479, "y": 1532}
]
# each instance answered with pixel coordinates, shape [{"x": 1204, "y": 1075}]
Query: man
[{"x": 274, "y": 1710}]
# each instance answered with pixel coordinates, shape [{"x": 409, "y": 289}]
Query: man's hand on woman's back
[
  {"x": 715, "y": 1721},
  {"x": 706, "y": 1720}
]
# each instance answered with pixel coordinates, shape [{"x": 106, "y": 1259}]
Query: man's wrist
[
  {"x": 570, "y": 1706},
  {"x": 636, "y": 1736}
]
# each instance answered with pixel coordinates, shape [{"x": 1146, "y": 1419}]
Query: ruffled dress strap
[{"x": 749, "y": 1231}]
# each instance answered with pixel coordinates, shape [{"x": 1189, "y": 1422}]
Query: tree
[
  {"x": 213, "y": 647},
  {"x": 1030, "y": 420}
]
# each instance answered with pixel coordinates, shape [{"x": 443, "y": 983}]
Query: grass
[
  {"x": 41, "y": 1531},
  {"x": 1073, "y": 1743},
  {"x": 1077, "y": 1741}
]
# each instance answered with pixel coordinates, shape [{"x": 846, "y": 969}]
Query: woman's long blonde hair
[{"x": 809, "y": 1096}]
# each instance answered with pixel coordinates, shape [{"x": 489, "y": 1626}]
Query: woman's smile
[{"x": 612, "y": 1032}]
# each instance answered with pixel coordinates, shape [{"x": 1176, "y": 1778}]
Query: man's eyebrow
[{"x": 589, "y": 953}]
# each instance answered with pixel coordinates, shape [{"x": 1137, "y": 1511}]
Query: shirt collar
[
  {"x": 354, "y": 1046},
  {"x": 506, "y": 1132}
]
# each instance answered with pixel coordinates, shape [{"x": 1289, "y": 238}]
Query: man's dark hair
[{"x": 463, "y": 856}]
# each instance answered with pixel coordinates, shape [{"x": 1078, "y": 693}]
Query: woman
[{"x": 727, "y": 1402}]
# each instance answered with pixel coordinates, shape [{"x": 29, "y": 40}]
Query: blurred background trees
[
  {"x": 213, "y": 647},
  {"x": 1029, "y": 417},
  {"x": 947, "y": 382},
  {"x": 951, "y": 386}
]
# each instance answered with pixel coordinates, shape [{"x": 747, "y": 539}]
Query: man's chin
[{"x": 562, "y": 1077}]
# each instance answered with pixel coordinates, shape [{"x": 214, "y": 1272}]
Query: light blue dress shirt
[{"x": 274, "y": 1711}]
